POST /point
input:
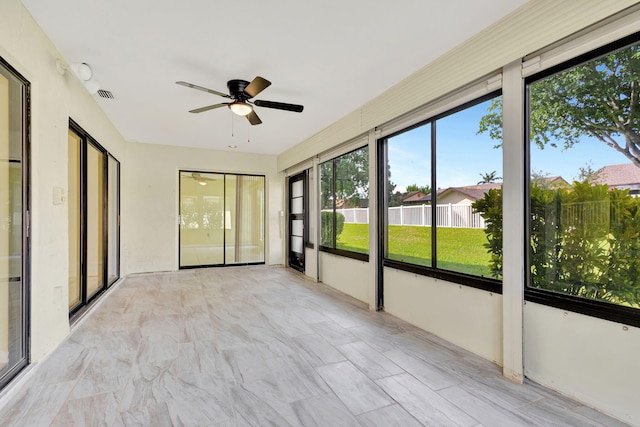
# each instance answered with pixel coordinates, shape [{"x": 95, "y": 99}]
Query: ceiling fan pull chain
[{"x": 231, "y": 125}]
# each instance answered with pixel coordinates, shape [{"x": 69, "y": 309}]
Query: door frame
[
  {"x": 26, "y": 228},
  {"x": 304, "y": 216}
]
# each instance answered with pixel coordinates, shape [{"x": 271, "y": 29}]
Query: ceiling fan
[
  {"x": 196, "y": 176},
  {"x": 241, "y": 91}
]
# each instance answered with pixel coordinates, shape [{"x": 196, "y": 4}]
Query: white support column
[
  {"x": 373, "y": 223},
  {"x": 513, "y": 220}
]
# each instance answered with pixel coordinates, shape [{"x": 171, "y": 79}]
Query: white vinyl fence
[{"x": 449, "y": 215}]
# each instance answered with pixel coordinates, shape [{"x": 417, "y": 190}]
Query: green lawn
[{"x": 459, "y": 249}]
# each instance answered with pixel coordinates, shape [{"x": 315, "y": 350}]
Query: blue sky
[{"x": 463, "y": 155}]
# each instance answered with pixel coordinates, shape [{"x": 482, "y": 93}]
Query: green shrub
[
  {"x": 326, "y": 230},
  {"x": 584, "y": 240}
]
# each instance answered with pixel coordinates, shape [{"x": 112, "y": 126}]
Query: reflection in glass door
[
  {"x": 221, "y": 219},
  {"x": 75, "y": 224},
  {"x": 113, "y": 216},
  {"x": 95, "y": 220},
  {"x": 14, "y": 93},
  {"x": 202, "y": 219}
]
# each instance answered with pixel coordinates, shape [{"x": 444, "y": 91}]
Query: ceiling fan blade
[
  {"x": 209, "y": 107},
  {"x": 204, "y": 89},
  {"x": 253, "y": 118},
  {"x": 279, "y": 105},
  {"x": 256, "y": 86}
]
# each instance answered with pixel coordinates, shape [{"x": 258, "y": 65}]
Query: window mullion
[{"x": 434, "y": 196}]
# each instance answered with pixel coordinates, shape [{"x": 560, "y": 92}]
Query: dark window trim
[
  {"x": 599, "y": 309},
  {"x": 594, "y": 308},
  {"x": 477, "y": 282},
  {"x": 26, "y": 227},
  {"x": 333, "y": 250},
  {"x": 348, "y": 254},
  {"x": 239, "y": 264},
  {"x": 224, "y": 235},
  {"x": 119, "y": 237},
  {"x": 307, "y": 243},
  {"x": 383, "y": 214}
]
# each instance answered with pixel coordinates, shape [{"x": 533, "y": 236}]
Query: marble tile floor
[{"x": 262, "y": 346}]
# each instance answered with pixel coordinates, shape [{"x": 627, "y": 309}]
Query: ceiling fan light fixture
[
  {"x": 240, "y": 108},
  {"x": 203, "y": 182}
]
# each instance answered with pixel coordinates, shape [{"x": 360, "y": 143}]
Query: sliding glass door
[
  {"x": 94, "y": 218},
  {"x": 14, "y": 223},
  {"x": 221, "y": 219}
]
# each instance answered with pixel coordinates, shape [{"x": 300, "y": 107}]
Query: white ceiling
[{"x": 332, "y": 56}]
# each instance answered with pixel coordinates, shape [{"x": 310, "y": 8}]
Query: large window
[
  {"x": 94, "y": 218},
  {"x": 344, "y": 204},
  {"x": 584, "y": 213},
  {"x": 445, "y": 233}
]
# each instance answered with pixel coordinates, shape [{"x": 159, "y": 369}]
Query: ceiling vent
[{"x": 105, "y": 94}]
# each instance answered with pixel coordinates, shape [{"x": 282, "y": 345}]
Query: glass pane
[
  {"x": 73, "y": 197},
  {"x": 230, "y": 219},
  {"x": 296, "y": 244},
  {"x": 113, "y": 238},
  {"x": 201, "y": 219},
  {"x": 297, "y": 227},
  {"x": 246, "y": 219},
  {"x": 95, "y": 220},
  {"x": 468, "y": 170},
  {"x": 409, "y": 196},
  {"x": 584, "y": 223},
  {"x": 296, "y": 205},
  {"x": 311, "y": 188},
  {"x": 12, "y": 302},
  {"x": 297, "y": 189},
  {"x": 326, "y": 204},
  {"x": 352, "y": 201}
]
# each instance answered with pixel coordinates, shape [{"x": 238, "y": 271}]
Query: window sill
[
  {"x": 347, "y": 254},
  {"x": 477, "y": 282},
  {"x": 600, "y": 309}
]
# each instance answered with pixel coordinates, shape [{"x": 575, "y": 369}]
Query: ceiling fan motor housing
[{"x": 236, "y": 89}]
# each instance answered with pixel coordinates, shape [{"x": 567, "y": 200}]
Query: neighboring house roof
[
  {"x": 620, "y": 176},
  {"x": 556, "y": 181},
  {"x": 475, "y": 192},
  {"x": 413, "y": 196},
  {"x": 552, "y": 182}
]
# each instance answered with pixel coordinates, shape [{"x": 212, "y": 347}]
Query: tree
[
  {"x": 488, "y": 178},
  {"x": 588, "y": 174},
  {"x": 395, "y": 199},
  {"x": 599, "y": 99},
  {"x": 422, "y": 188},
  {"x": 351, "y": 179}
]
